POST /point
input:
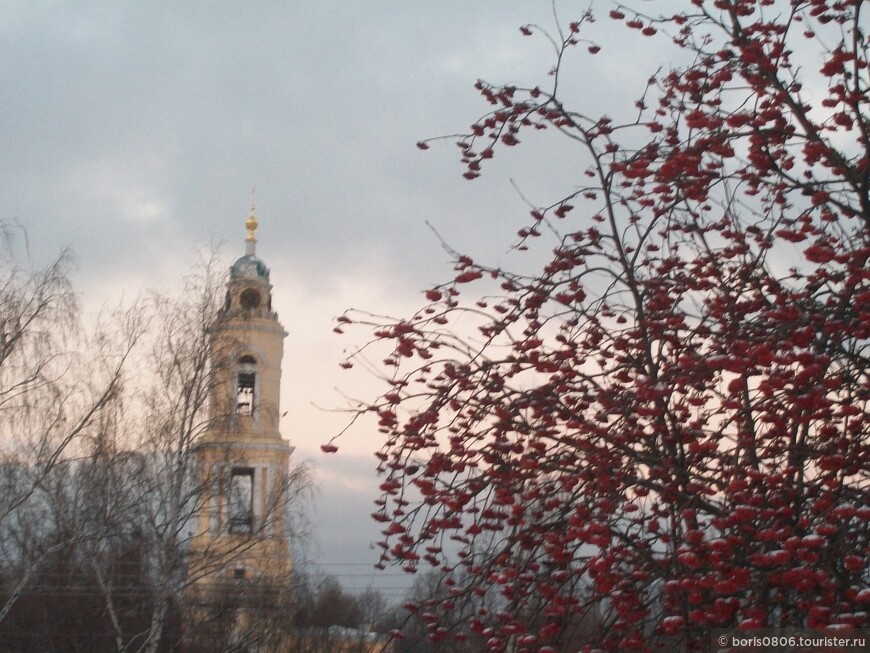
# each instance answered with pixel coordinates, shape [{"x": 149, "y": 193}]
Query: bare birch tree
[
  {"x": 50, "y": 396},
  {"x": 100, "y": 474}
]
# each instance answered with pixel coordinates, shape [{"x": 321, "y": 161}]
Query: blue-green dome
[{"x": 249, "y": 267}]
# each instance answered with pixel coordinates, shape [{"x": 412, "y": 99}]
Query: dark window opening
[
  {"x": 245, "y": 393},
  {"x": 249, "y": 298},
  {"x": 241, "y": 500}
]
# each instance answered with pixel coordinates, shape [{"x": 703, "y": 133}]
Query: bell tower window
[
  {"x": 241, "y": 500},
  {"x": 246, "y": 385},
  {"x": 245, "y": 403}
]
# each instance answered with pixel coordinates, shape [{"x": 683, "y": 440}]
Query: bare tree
[
  {"x": 50, "y": 396},
  {"x": 100, "y": 479},
  {"x": 100, "y": 485}
]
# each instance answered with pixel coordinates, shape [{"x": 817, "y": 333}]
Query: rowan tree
[{"x": 667, "y": 423}]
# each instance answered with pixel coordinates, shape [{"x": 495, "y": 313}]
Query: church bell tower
[{"x": 241, "y": 532}]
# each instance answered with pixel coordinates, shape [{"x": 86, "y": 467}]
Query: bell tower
[{"x": 243, "y": 462}]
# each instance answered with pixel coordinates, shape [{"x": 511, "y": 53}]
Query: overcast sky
[{"x": 133, "y": 132}]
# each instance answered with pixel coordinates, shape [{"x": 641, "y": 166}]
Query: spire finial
[{"x": 251, "y": 225}]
